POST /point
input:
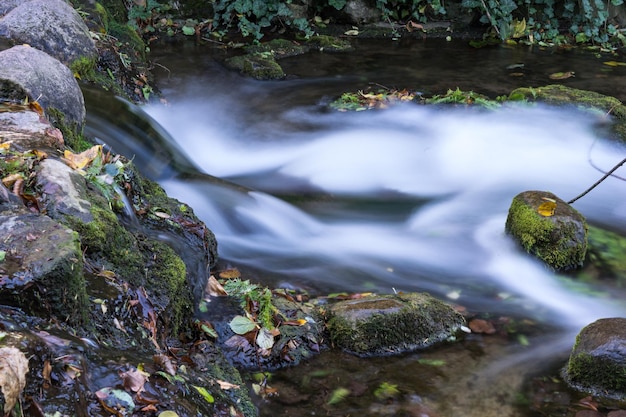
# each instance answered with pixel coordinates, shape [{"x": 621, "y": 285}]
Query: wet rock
[
  {"x": 359, "y": 11},
  {"x": 42, "y": 267},
  {"x": 45, "y": 80},
  {"x": 262, "y": 66},
  {"x": 301, "y": 335},
  {"x": 28, "y": 130},
  {"x": 597, "y": 364},
  {"x": 37, "y": 23},
  {"x": 548, "y": 228},
  {"x": 391, "y": 324},
  {"x": 605, "y": 257},
  {"x": 62, "y": 191}
]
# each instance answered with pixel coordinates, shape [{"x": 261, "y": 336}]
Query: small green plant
[{"x": 386, "y": 391}]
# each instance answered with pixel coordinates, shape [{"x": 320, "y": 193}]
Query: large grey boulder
[
  {"x": 597, "y": 363},
  {"x": 26, "y": 70},
  {"x": 52, "y": 26}
]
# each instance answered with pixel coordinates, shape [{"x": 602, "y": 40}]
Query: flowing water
[{"x": 412, "y": 198}]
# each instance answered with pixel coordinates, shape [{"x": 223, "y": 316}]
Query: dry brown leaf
[
  {"x": 13, "y": 369},
  {"x": 81, "y": 160},
  {"x": 134, "y": 380},
  {"x": 214, "y": 288},
  {"x": 230, "y": 273},
  {"x": 165, "y": 363},
  {"x": 225, "y": 385}
]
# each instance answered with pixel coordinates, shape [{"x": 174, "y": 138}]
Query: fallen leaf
[
  {"x": 547, "y": 209},
  {"x": 165, "y": 363},
  {"x": 561, "y": 75},
  {"x": 338, "y": 395},
  {"x": 13, "y": 369},
  {"x": 116, "y": 401},
  {"x": 265, "y": 339},
  {"x": 81, "y": 160},
  {"x": 351, "y": 32},
  {"x": 214, "y": 288},
  {"x": 242, "y": 325},
  {"x": 225, "y": 385},
  {"x": 481, "y": 326},
  {"x": 615, "y": 63},
  {"x": 230, "y": 273},
  {"x": 134, "y": 380},
  {"x": 205, "y": 394}
]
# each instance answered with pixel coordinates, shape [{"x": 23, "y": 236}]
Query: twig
[{"x": 622, "y": 162}]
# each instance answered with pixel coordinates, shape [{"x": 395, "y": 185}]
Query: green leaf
[
  {"x": 205, "y": 394},
  {"x": 242, "y": 325},
  {"x": 338, "y": 395},
  {"x": 265, "y": 339},
  {"x": 3, "y": 255},
  {"x": 189, "y": 31}
]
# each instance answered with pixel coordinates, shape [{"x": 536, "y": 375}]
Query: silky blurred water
[{"x": 413, "y": 198}]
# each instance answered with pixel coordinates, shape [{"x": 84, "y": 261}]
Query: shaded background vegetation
[{"x": 598, "y": 22}]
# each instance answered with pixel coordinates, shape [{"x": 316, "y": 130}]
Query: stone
[
  {"x": 62, "y": 191},
  {"x": 558, "y": 237},
  {"x": 42, "y": 267},
  {"x": 597, "y": 364},
  {"x": 27, "y": 130},
  {"x": 391, "y": 324},
  {"x": 37, "y": 23},
  {"x": 45, "y": 80},
  {"x": 359, "y": 11}
]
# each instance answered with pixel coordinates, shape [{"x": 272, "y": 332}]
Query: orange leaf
[
  {"x": 547, "y": 209},
  {"x": 81, "y": 160}
]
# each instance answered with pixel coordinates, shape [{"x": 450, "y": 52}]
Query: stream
[{"x": 412, "y": 198}]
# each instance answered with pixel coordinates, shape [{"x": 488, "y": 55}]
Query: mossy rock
[
  {"x": 391, "y": 324},
  {"x": 606, "y": 256},
  {"x": 597, "y": 364},
  {"x": 328, "y": 43},
  {"x": 548, "y": 228},
  {"x": 562, "y": 95},
  {"x": 279, "y": 48},
  {"x": 259, "y": 65}
]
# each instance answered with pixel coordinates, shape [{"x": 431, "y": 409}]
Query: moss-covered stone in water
[
  {"x": 598, "y": 360},
  {"x": 562, "y": 95},
  {"x": 384, "y": 325},
  {"x": 329, "y": 43},
  {"x": 606, "y": 255},
  {"x": 261, "y": 66},
  {"x": 559, "y": 240}
]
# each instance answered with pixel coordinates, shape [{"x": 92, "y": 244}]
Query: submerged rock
[
  {"x": 391, "y": 324},
  {"x": 597, "y": 363},
  {"x": 548, "y": 228}
]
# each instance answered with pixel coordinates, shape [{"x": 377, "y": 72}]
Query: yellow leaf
[
  {"x": 547, "y": 209},
  {"x": 615, "y": 63},
  {"x": 562, "y": 75},
  {"x": 6, "y": 145},
  {"x": 81, "y": 160}
]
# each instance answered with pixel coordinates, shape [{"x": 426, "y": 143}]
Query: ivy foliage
[{"x": 530, "y": 21}]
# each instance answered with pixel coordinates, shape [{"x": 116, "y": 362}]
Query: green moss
[
  {"x": 606, "y": 255},
  {"x": 382, "y": 325},
  {"x": 72, "y": 132},
  {"x": 589, "y": 371},
  {"x": 530, "y": 228},
  {"x": 84, "y": 68},
  {"x": 168, "y": 275},
  {"x": 554, "y": 241},
  {"x": 108, "y": 242},
  {"x": 329, "y": 43},
  {"x": 261, "y": 66}
]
